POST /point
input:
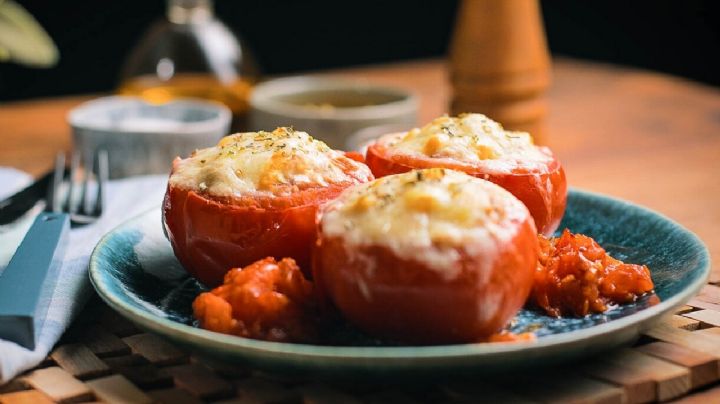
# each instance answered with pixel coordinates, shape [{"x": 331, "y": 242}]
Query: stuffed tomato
[
  {"x": 252, "y": 196},
  {"x": 479, "y": 146},
  {"x": 428, "y": 257}
]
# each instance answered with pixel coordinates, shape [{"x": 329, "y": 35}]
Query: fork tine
[
  {"x": 70, "y": 205},
  {"x": 89, "y": 171},
  {"x": 102, "y": 179},
  {"x": 53, "y": 198}
]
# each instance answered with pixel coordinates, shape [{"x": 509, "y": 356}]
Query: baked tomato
[
  {"x": 426, "y": 257},
  {"x": 478, "y": 146},
  {"x": 252, "y": 196}
]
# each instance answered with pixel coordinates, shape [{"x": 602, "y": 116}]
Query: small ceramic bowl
[
  {"x": 143, "y": 138},
  {"x": 329, "y": 109}
]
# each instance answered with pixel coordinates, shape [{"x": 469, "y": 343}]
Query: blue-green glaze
[{"x": 678, "y": 260}]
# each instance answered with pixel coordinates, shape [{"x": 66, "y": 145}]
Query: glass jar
[{"x": 191, "y": 54}]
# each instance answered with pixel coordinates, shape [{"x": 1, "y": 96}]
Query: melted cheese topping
[
  {"x": 426, "y": 215},
  {"x": 273, "y": 163},
  {"x": 471, "y": 139}
]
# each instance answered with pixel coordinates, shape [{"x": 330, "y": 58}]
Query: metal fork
[
  {"x": 26, "y": 283},
  {"x": 83, "y": 208}
]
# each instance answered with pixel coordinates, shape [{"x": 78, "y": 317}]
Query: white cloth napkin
[{"x": 125, "y": 198}]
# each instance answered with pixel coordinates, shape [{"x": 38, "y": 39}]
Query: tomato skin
[
  {"x": 210, "y": 237},
  {"x": 405, "y": 300},
  {"x": 544, "y": 194}
]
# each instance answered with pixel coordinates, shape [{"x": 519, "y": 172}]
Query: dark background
[{"x": 94, "y": 37}]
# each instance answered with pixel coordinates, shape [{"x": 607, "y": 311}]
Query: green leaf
[{"x": 22, "y": 39}]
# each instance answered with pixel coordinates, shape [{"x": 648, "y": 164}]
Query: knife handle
[
  {"x": 26, "y": 284},
  {"x": 14, "y": 206}
]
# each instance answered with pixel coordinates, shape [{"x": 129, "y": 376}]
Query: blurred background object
[
  {"x": 190, "y": 53},
  {"x": 22, "y": 39},
  {"x": 95, "y": 37},
  {"x": 499, "y": 63},
  {"x": 329, "y": 109},
  {"x": 143, "y": 138},
  {"x": 360, "y": 140}
]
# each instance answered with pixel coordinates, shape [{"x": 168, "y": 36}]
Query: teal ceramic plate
[{"x": 135, "y": 272}]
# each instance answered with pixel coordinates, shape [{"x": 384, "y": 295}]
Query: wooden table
[{"x": 645, "y": 137}]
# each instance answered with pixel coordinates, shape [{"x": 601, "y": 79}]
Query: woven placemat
[{"x": 104, "y": 357}]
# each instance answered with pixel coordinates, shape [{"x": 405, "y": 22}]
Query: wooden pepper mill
[{"x": 499, "y": 63}]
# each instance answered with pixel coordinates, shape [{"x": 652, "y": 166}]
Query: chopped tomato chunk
[
  {"x": 266, "y": 300},
  {"x": 507, "y": 336},
  {"x": 575, "y": 276}
]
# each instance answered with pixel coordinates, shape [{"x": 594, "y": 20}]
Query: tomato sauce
[
  {"x": 575, "y": 277},
  {"x": 507, "y": 336},
  {"x": 266, "y": 300}
]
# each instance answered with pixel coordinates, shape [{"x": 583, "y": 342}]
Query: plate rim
[{"x": 219, "y": 341}]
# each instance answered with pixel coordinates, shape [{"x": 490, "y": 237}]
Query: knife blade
[{"x": 14, "y": 206}]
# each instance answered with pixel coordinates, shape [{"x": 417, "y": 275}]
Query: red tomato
[
  {"x": 405, "y": 300},
  {"x": 544, "y": 193},
  {"x": 211, "y": 235}
]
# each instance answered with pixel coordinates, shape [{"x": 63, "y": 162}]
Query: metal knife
[{"x": 14, "y": 206}]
